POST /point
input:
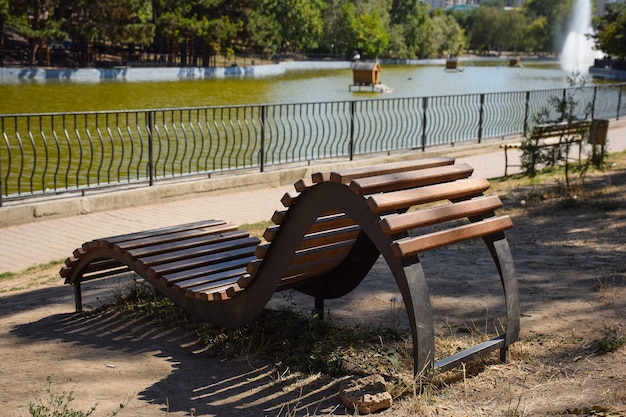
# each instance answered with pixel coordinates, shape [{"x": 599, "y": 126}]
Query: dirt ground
[{"x": 570, "y": 258}]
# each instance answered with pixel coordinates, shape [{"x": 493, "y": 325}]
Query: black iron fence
[{"x": 48, "y": 154}]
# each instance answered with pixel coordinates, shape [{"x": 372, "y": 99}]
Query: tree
[
  {"x": 412, "y": 20},
  {"x": 556, "y": 14},
  {"x": 4, "y": 14},
  {"x": 611, "y": 30},
  {"x": 35, "y": 20},
  {"x": 372, "y": 38},
  {"x": 294, "y": 25},
  {"x": 448, "y": 36},
  {"x": 486, "y": 32}
]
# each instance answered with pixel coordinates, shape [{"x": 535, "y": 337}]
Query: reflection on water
[{"x": 299, "y": 86}]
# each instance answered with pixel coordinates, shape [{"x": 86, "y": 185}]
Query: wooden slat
[
  {"x": 195, "y": 283},
  {"x": 196, "y": 252},
  {"x": 101, "y": 265},
  {"x": 193, "y": 242},
  {"x": 198, "y": 262},
  {"x": 222, "y": 293},
  {"x": 305, "y": 183},
  {"x": 345, "y": 176},
  {"x": 289, "y": 198},
  {"x": 110, "y": 241},
  {"x": 410, "y": 179},
  {"x": 278, "y": 216},
  {"x": 205, "y": 291},
  {"x": 124, "y": 246},
  {"x": 311, "y": 270},
  {"x": 310, "y": 256},
  {"x": 420, "y": 218},
  {"x": 398, "y": 200},
  {"x": 319, "y": 239},
  {"x": 332, "y": 221},
  {"x": 206, "y": 270},
  {"x": 414, "y": 245}
]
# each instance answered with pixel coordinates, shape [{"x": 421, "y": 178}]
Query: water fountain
[{"x": 578, "y": 51}]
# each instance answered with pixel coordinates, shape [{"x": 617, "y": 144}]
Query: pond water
[{"x": 293, "y": 86}]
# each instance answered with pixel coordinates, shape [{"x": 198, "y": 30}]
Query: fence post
[
  {"x": 262, "y": 150},
  {"x": 424, "y": 121},
  {"x": 619, "y": 102},
  {"x": 480, "y": 117},
  {"x": 526, "y": 110},
  {"x": 150, "y": 120},
  {"x": 351, "y": 144},
  {"x": 564, "y": 106},
  {"x": 593, "y": 102},
  {"x": 1, "y": 188}
]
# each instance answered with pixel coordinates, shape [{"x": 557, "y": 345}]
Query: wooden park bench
[
  {"x": 552, "y": 136},
  {"x": 334, "y": 228}
]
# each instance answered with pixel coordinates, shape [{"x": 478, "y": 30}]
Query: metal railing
[{"x": 47, "y": 154}]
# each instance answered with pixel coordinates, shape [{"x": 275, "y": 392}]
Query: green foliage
[
  {"x": 564, "y": 110},
  {"x": 58, "y": 405},
  {"x": 611, "y": 30},
  {"x": 611, "y": 341},
  {"x": 196, "y": 30},
  {"x": 448, "y": 37}
]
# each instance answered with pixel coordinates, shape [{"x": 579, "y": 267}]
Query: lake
[{"x": 291, "y": 86}]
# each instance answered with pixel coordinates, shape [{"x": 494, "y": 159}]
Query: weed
[
  {"x": 6, "y": 275},
  {"x": 58, "y": 405},
  {"x": 611, "y": 341}
]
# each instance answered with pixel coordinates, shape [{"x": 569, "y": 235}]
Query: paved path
[{"x": 53, "y": 240}]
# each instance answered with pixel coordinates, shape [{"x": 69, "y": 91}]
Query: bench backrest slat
[
  {"x": 345, "y": 176},
  {"x": 415, "y": 245},
  {"x": 400, "y": 200},
  {"x": 323, "y": 223},
  {"x": 410, "y": 179},
  {"x": 420, "y": 218}
]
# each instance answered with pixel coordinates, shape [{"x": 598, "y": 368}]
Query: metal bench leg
[
  {"x": 78, "y": 297},
  {"x": 319, "y": 307}
]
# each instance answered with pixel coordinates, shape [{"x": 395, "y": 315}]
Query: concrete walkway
[{"x": 54, "y": 239}]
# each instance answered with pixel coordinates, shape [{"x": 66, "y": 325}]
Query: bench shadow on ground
[{"x": 212, "y": 385}]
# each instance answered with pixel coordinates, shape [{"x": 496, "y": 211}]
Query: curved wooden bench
[{"x": 334, "y": 228}]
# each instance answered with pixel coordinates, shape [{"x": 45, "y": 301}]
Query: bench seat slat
[
  {"x": 171, "y": 279},
  {"x": 96, "y": 266},
  {"x": 197, "y": 262},
  {"x": 420, "y": 218},
  {"x": 157, "y": 249},
  {"x": 194, "y": 283},
  {"x": 110, "y": 241},
  {"x": 398, "y": 200},
  {"x": 410, "y": 179},
  {"x": 414, "y": 245},
  {"x": 345, "y": 176},
  {"x": 124, "y": 246},
  {"x": 220, "y": 293},
  {"x": 196, "y": 252}
]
